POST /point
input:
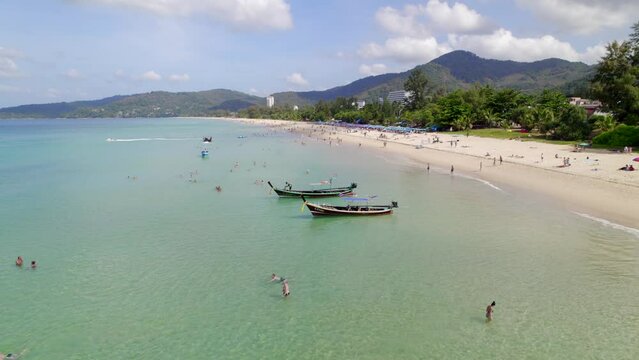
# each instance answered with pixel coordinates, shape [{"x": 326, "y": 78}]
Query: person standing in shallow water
[
  {"x": 489, "y": 311},
  {"x": 19, "y": 261},
  {"x": 452, "y": 169}
]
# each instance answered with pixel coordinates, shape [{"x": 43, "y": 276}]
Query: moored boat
[
  {"x": 288, "y": 191},
  {"x": 350, "y": 210}
]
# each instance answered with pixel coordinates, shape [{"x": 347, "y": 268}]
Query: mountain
[
  {"x": 458, "y": 70},
  {"x": 153, "y": 104},
  {"x": 455, "y": 70}
]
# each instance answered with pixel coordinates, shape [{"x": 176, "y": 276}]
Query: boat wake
[
  {"x": 610, "y": 224},
  {"x": 150, "y": 139}
]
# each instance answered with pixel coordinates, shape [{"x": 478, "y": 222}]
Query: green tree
[
  {"x": 616, "y": 82},
  {"x": 603, "y": 123},
  {"x": 416, "y": 86},
  {"x": 573, "y": 125}
]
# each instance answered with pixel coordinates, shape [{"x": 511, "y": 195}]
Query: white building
[
  {"x": 270, "y": 101},
  {"x": 398, "y": 96},
  {"x": 295, "y": 107},
  {"x": 361, "y": 104}
]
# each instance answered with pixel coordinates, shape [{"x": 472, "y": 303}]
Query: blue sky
[{"x": 65, "y": 50}]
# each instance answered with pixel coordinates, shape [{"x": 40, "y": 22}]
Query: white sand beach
[{"x": 592, "y": 184}]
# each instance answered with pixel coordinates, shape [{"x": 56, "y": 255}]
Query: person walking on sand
[
  {"x": 428, "y": 168},
  {"x": 452, "y": 169},
  {"x": 500, "y": 160},
  {"x": 494, "y": 161},
  {"x": 489, "y": 311},
  {"x": 286, "y": 291}
]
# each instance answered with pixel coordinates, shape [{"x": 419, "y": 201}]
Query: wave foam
[
  {"x": 148, "y": 139},
  {"x": 607, "y": 223}
]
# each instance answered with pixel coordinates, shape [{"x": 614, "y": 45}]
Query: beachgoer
[
  {"x": 428, "y": 167},
  {"x": 286, "y": 291},
  {"x": 494, "y": 161},
  {"x": 500, "y": 160},
  {"x": 277, "y": 278},
  {"x": 452, "y": 169},
  {"x": 19, "y": 261},
  {"x": 489, "y": 311},
  {"x": 33, "y": 264},
  {"x": 480, "y": 165}
]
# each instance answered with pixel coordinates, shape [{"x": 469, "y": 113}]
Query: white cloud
[
  {"x": 402, "y": 22},
  {"x": 422, "y": 20},
  {"x": 8, "y": 66},
  {"x": 178, "y": 77},
  {"x": 374, "y": 69},
  {"x": 593, "y": 54},
  {"x": 296, "y": 79},
  {"x": 73, "y": 74},
  {"x": 584, "y": 16},
  {"x": 240, "y": 14},
  {"x": 503, "y": 45},
  {"x": 151, "y": 76},
  {"x": 405, "y": 49},
  {"x": 458, "y": 18}
]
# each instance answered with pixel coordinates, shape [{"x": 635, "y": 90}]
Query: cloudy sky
[{"x": 63, "y": 50}]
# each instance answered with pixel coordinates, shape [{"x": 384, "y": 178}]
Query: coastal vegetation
[{"x": 546, "y": 114}]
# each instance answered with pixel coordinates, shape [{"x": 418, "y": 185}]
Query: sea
[{"x": 139, "y": 257}]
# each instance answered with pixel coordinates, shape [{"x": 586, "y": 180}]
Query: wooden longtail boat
[
  {"x": 349, "y": 210},
  {"x": 288, "y": 191}
]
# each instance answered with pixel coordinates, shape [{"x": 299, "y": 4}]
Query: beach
[{"x": 591, "y": 185}]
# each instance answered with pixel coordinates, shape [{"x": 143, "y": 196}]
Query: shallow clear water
[{"x": 156, "y": 266}]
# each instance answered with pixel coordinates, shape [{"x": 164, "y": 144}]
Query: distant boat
[
  {"x": 350, "y": 210},
  {"x": 207, "y": 139},
  {"x": 288, "y": 191},
  {"x": 241, "y": 137},
  {"x": 204, "y": 153}
]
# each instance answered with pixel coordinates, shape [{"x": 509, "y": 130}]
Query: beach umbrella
[{"x": 636, "y": 159}]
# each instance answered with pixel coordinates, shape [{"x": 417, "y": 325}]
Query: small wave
[
  {"x": 488, "y": 183},
  {"x": 607, "y": 223},
  {"x": 149, "y": 139}
]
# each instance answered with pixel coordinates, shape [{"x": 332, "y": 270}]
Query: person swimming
[
  {"x": 33, "y": 264},
  {"x": 286, "y": 291},
  {"x": 277, "y": 278},
  {"x": 19, "y": 261}
]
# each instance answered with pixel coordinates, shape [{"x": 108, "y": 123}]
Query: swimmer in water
[
  {"x": 19, "y": 261},
  {"x": 33, "y": 264},
  {"x": 277, "y": 278},
  {"x": 286, "y": 291}
]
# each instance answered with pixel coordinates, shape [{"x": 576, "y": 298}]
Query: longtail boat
[
  {"x": 350, "y": 210},
  {"x": 288, "y": 191}
]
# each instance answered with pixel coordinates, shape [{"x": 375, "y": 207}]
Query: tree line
[{"x": 615, "y": 84}]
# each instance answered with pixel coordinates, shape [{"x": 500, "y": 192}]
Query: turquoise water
[{"x": 139, "y": 257}]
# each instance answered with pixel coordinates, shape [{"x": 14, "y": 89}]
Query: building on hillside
[
  {"x": 270, "y": 101},
  {"x": 361, "y": 104},
  {"x": 591, "y": 106},
  {"x": 398, "y": 96},
  {"x": 295, "y": 107}
]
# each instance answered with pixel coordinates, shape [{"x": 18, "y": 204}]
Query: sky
[{"x": 66, "y": 50}]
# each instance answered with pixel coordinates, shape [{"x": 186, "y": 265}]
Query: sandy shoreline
[{"x": 592, "y": 184}]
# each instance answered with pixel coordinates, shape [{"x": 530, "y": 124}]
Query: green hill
[
  {"x": 153, "y": 104},
  {"x": 461, "y": 69},
  {"x": 455, "y": 70}
]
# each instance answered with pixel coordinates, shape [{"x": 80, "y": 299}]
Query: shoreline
[{"x": 605, "y": 193}]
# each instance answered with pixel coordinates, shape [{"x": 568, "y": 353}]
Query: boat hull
[
  {"x": 329, "y": 210},
  {"x": 313, "y": 193}
]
